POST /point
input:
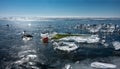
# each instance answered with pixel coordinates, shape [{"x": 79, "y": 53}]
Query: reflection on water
[{"x": 18, "y": 54}]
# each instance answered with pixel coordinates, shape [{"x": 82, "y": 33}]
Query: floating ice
[
  {"x": 22, "y": 53},
  {"x": 32, "y": 57},
  {"x": 26, "y": 59},
  {"x": 102, "y": 65},
  {"x": 93, "y": 30},
  {"x": 67, "y": 66},
  {"x": 27, "y": 37},
  {"x": 35, "y": 67},
  {"x": 49, "y": 35},
  {"x": 116, "y": 45},
  {"x": 19, "y": 62},
  {"x": 77, "y": 62},
  {"x": 66, "y": 46},
  {"x": 44, "y": 35},
  {"x": 82, "y": 39},
  {"x": 31, "y": 63}
]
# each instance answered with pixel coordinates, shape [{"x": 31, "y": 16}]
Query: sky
[{"x": 82, "y": 8}]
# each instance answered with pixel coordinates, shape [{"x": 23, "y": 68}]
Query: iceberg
[{"x": 102, "y": 65}]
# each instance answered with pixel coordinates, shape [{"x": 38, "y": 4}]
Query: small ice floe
[
  {"x": 65, "y": 46},
  {"x": 102, "y": 65},
  {"x": 103, "y": 41},
  {"x": 68, "y": 66},
  {"x": 77, "y": 62},
  {"x": 31, "y": 57},
  {"x": 116, "y": 45},
  {"x": 49, "y": 35},
  {"x": 106, "y": 44},
  {"x": 93, "y": 39},
  {"x": 22, "y": 53},
  {"x": 19, "y": 62},
  {"x": 27, "y": 37},
  {"x": 35, "y": 67},
  {"x": 110, "y": 30},
  {"x": 44, "y": 35},
  {"x": 94, "y": 30},
  {"x": 27, "y": 59},
  {"x": 31, "y": 63}
]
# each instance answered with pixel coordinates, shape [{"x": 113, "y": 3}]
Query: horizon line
[{"x": 67, "y": 16}]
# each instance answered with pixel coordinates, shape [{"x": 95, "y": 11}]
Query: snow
[
  {"x": 116, "y": 45},
  {"x": 102, "y": 65}
]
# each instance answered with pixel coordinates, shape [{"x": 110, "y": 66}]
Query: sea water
[{"x": 18, "y": 54}]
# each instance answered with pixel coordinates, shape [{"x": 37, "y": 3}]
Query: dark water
[{"x": 18, "y": 54}]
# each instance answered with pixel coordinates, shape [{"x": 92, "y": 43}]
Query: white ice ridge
[
  {"x": 116, "y": 45},
  {"x": 79, "y": 39},
  {"x": 102, "y": 65}
]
